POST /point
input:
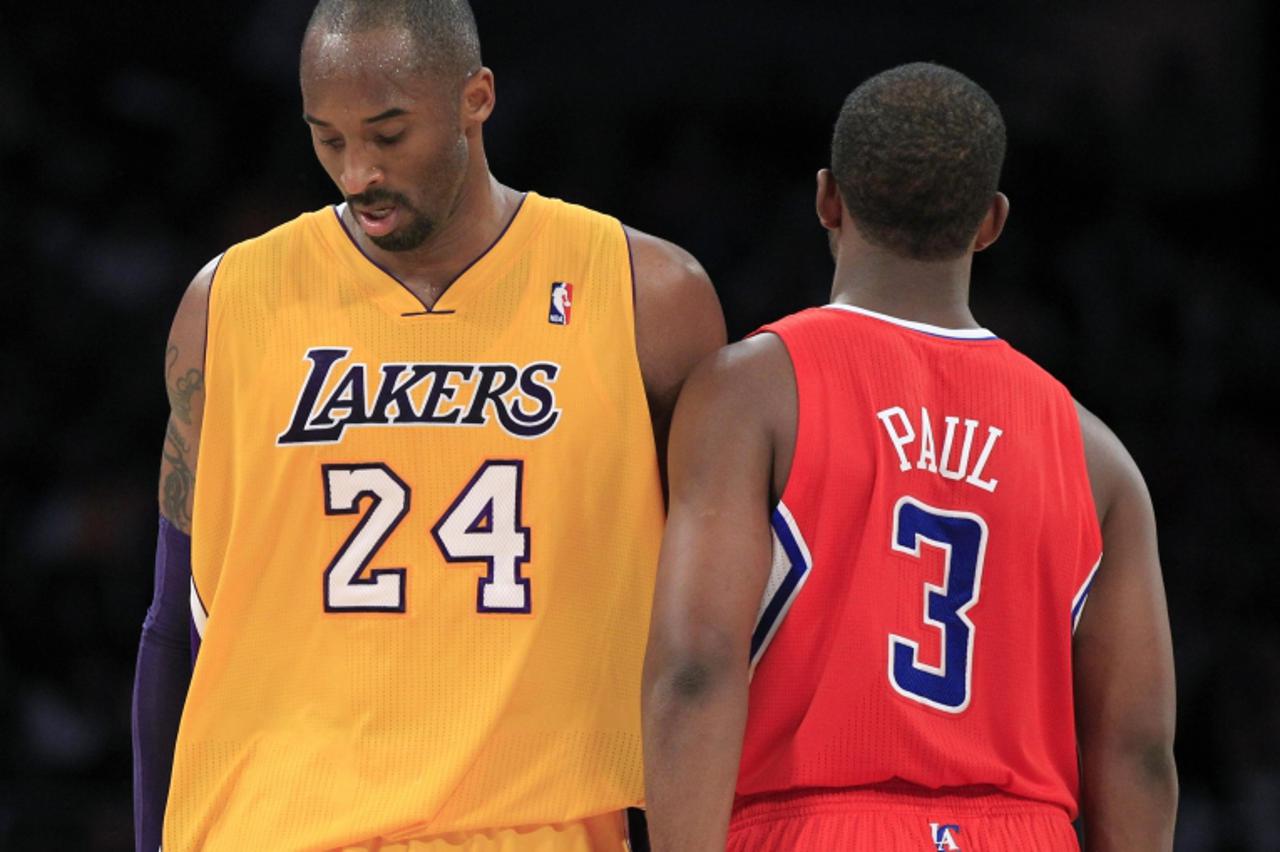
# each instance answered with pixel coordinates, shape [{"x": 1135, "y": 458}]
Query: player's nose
[{"x": 359, "y": 170}]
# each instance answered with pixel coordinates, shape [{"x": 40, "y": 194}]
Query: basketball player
[
  {"x": 427, "y": 507},
  {"x": 915, "y": 667}
]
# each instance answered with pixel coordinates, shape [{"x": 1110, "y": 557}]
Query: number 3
[
  {"x": 962, "y": 537},
  {"x": 482, "y": 525}
]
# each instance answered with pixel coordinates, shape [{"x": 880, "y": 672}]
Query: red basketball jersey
[{"x": 932, "y": 551}]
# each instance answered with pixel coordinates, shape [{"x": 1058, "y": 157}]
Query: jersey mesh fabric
[
  {"x": 311, "y": 724},
  {"x": 603, "y": 833},
  {"x": 893, "y": 819},
  {"x": 993, "y": 707}
]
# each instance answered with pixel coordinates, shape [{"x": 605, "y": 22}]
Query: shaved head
[
  {"x": 440, "y": 35},
  {"x": 917, "y": 153}
]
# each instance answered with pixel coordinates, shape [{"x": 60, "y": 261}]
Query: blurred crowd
[{"x": 139, "y": 140}]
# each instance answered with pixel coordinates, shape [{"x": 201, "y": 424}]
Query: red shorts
[{"x": 887, "y": 819}]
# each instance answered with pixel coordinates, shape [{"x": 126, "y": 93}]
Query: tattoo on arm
[
  {"x": 179, "y": 479},
  {"x": 183, "y": 388}
]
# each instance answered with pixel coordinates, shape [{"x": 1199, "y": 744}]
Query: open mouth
[{"x": 378, "y": 221}]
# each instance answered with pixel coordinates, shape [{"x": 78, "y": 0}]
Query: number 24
[{"x": 482, "y": 525}]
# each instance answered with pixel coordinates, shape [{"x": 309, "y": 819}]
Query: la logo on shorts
[
  {"x": 561, "y": 303},
  {"x": 944, "y": 837}
]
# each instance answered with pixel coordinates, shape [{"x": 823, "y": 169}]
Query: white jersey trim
[
  {"x": 1077, "y": 603},
  {"x": 787, "y": 576},
  {"x": 199, "y": 616},
  {"x": 935, "y": 330}
]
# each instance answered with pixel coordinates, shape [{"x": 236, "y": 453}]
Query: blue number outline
[
  {"x": 374, "y": 574},
  {"x": 934, "y": 686},
  {"x": 488, "y": 561}
]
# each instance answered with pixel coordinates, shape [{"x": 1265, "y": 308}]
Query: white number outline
[{"x": 942, "y": 591}]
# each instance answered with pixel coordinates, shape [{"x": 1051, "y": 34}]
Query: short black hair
[
  {"x": 916, "y": 154},
  {"x": 444, "y": 31}
]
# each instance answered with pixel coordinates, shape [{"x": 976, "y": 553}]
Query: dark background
[{"x": 138, "y": 141}]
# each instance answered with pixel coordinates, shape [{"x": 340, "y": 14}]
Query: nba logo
[
  {"x": 943, "y": 837},
  {"x": 561, "y": 303}
]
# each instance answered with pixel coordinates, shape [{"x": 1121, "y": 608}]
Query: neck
[
  {"x": 482, "y": 211},
  {"x": 874, "y": 278}
]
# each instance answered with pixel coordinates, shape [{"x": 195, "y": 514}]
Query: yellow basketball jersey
[{"x": 424, "y": 542}]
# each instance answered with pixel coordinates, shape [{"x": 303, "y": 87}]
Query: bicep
[
  {"x": 715, "y": 553},
  {"x": 184, "y": 385},
  {"x": 1123, "y": 656}
]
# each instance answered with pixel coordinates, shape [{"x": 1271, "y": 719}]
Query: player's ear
[
  {"x": 478, "y": 97},
  {"x": 993, "y": 222},
  {"x": 829, "y": 208}
]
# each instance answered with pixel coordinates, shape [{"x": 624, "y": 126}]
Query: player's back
[{"x": 933, "y": 546}]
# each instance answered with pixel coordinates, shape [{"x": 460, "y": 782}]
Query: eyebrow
[{"x": 394, "y": 112}]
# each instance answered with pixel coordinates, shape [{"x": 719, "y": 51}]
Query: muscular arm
[
  {"x": 184, "y": 383},
  {"x": 678, "y": 323},
  {"x": 164, "y": 651},
  {"x": 714, "y": 565},
  {"x": 1123, "y": 661}
]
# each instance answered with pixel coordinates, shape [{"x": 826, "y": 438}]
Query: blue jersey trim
[
  {"x": 1077, "y": 604},
  {"x": 787, "y": 577}
]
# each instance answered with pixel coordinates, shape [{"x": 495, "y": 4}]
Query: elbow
[
  {"x": 1134, "y": 771},
  {"x": 1157, "y": 766},
  {"x": 691, "y": 671},
  {"x": 691, "y": 680},
  {"x": 1152, "y": 758},
  {"x": 686, "y": 680}
]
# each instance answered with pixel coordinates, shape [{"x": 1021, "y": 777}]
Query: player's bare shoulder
[
  {"x": 754, "y": 373},
  {"x": 192, "y": 315},
  {"x": 1113, "y": 474},
  {"x": 667, "y": 274},
  {"x": 678, "y": 316},
  {"x": 744, "y": 392}
]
